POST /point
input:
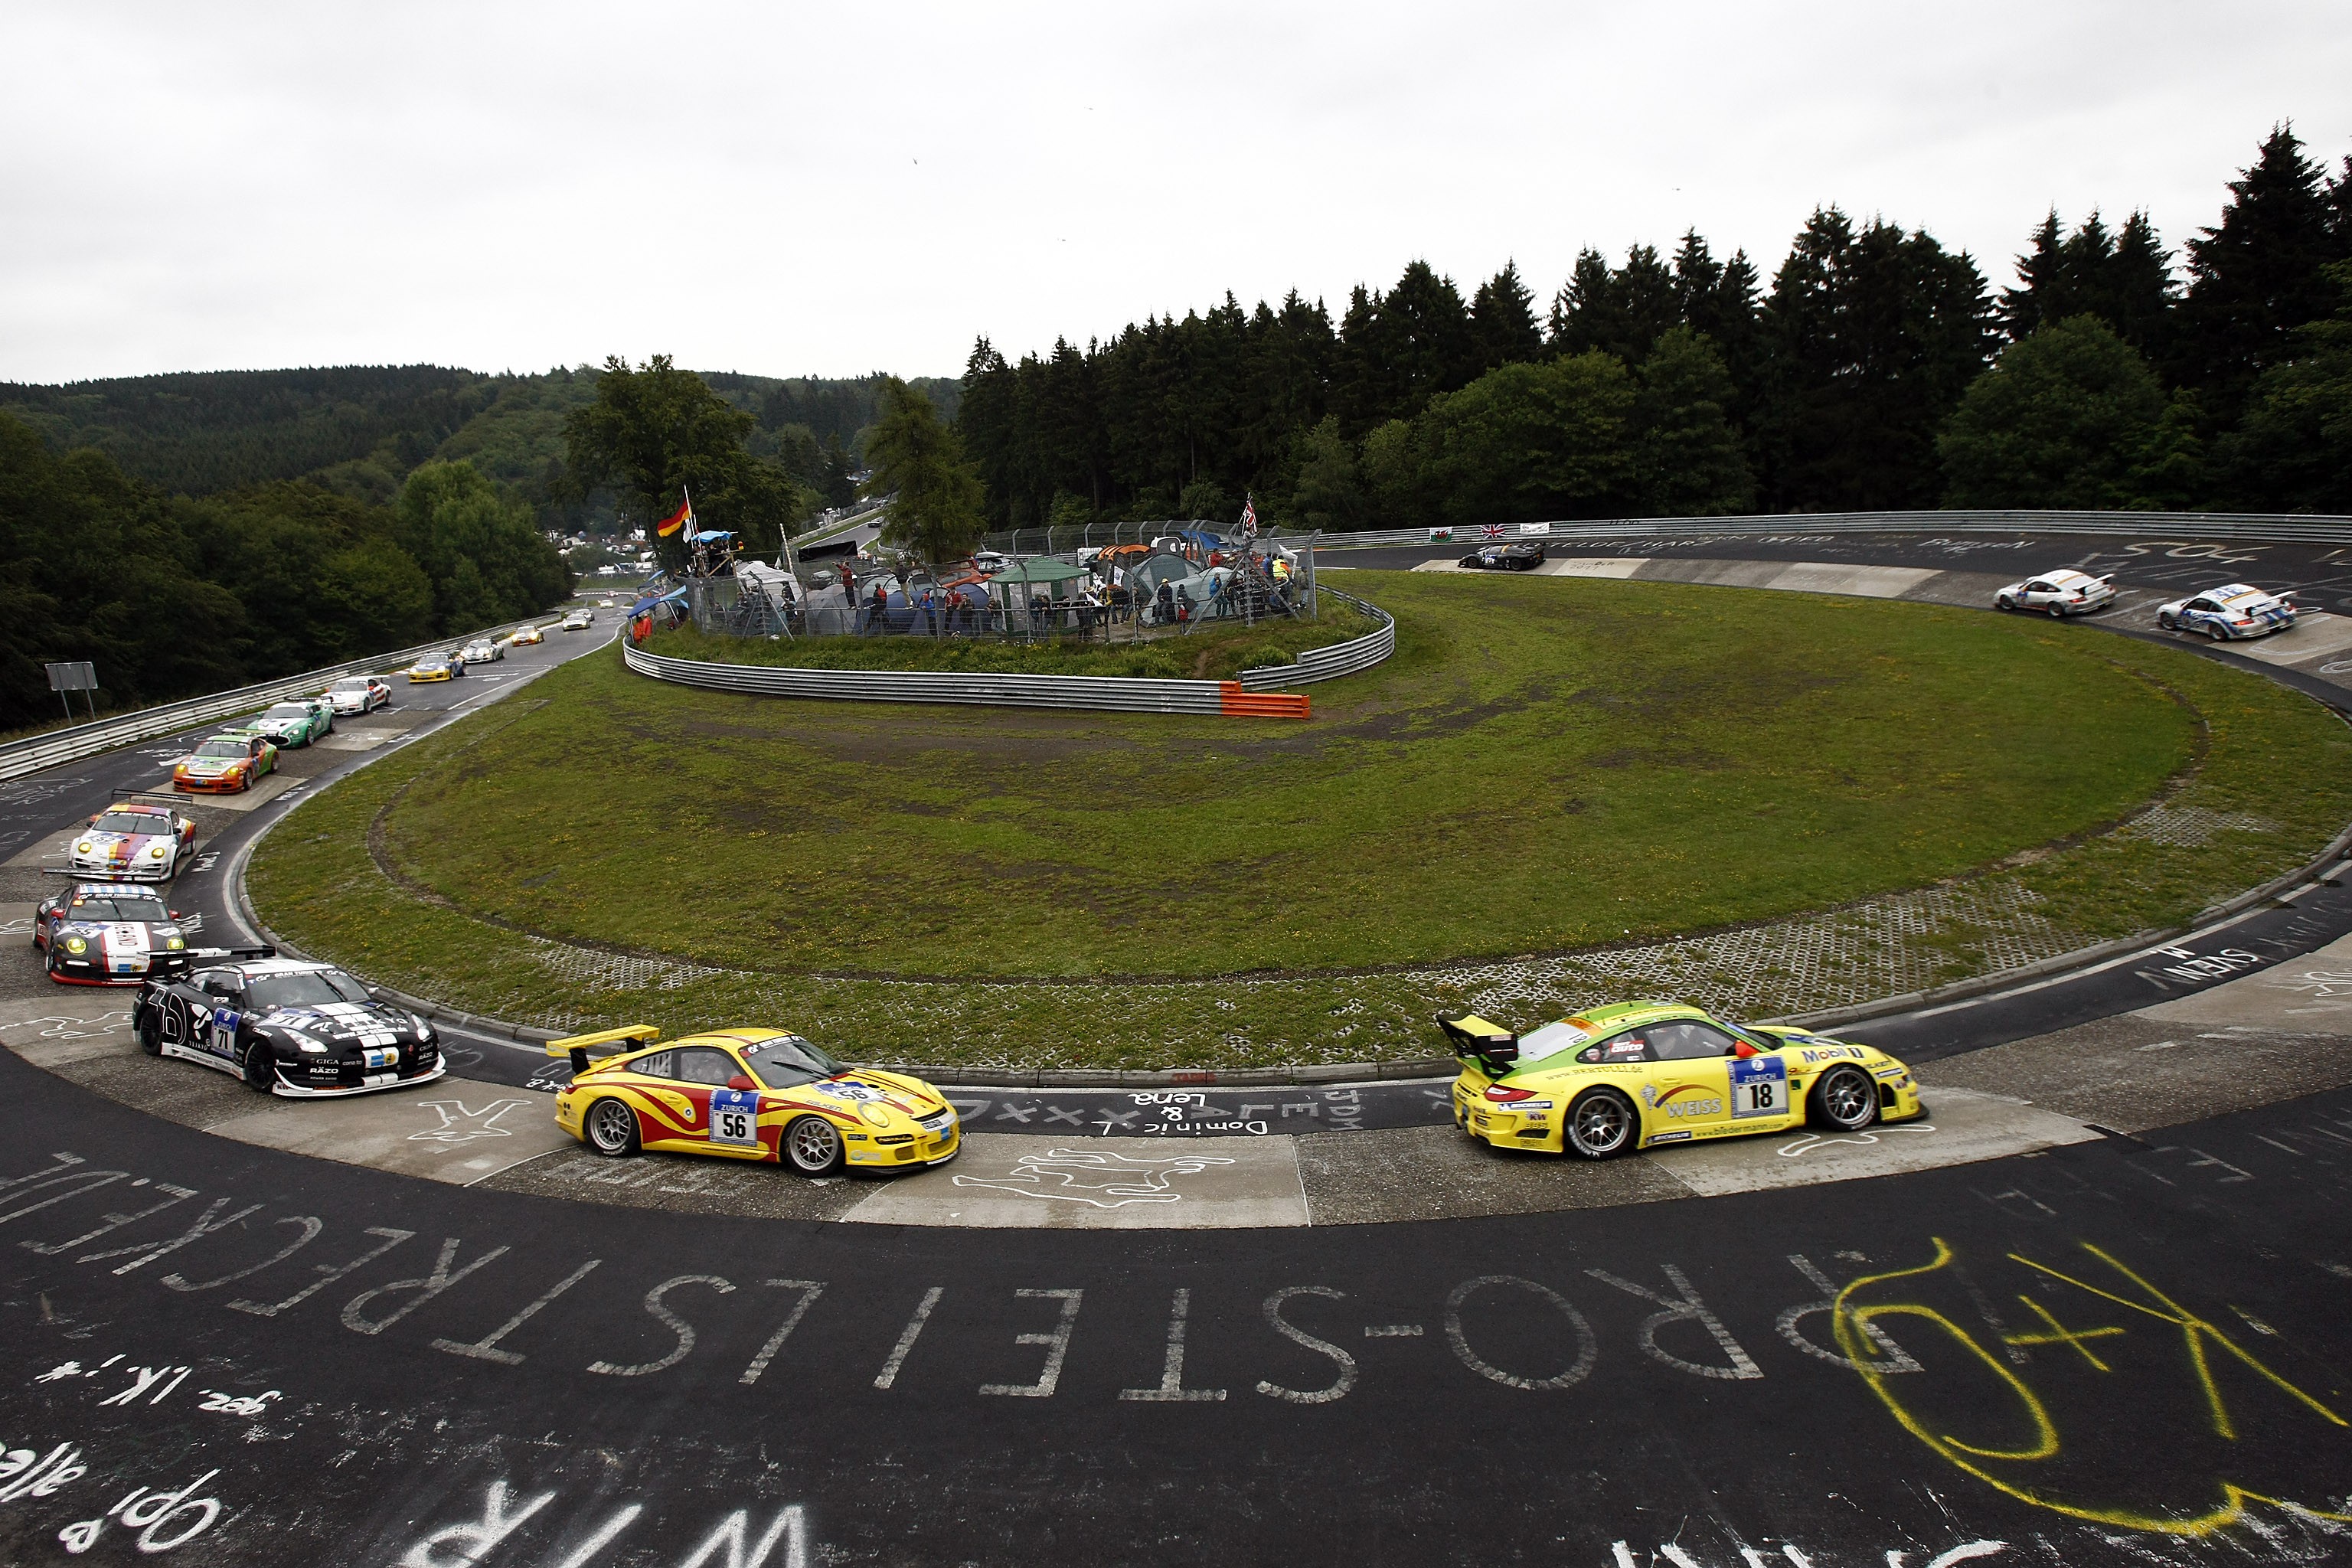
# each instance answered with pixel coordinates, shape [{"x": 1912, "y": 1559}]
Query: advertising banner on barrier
[{"x": 1535, "y": 528}]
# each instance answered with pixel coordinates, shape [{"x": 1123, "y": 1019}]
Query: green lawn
[{"x": 1545, "y": 764}]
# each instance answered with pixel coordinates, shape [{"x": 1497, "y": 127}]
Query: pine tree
[
  {"x": 1503, "y": 321},
  {"x": 2141, "y": 289},
  {"x": 2255, "y": 277},
  {"x": 2037, "y": 275},
  {"x": 1584, "y": 310}
]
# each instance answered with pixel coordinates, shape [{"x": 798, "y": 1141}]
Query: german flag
[{"x": 678, "y": 519}]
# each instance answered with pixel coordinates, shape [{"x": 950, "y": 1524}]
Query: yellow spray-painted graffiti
[{"x": 2029, "y": 1459}]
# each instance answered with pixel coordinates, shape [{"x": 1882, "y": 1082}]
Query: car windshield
[
  {"x": 307, "y": 988},
  {"x": 221, "y": 749},
  {"x": 277, "y": 715},
  {"x": 128, "y": 906},
  {"x": 353, "y": 685},
  {"x": 127, "y": 822},
  {"x": 788, "y": 1060}
]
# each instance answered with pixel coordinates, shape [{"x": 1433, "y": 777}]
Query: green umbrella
[{"x": 1044, "y": 569}]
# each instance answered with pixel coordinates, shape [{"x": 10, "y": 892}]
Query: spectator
[
  {"x": 878, "y": 621},
  {"x": 1163, "y": 603}
]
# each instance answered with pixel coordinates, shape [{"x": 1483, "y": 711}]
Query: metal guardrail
[
  {"x": 1113, "y": 694},
  {"x": 2274, "y": 528},
  {"x": 57, "y": 746},
  {"x": 1332, "y": 662}
]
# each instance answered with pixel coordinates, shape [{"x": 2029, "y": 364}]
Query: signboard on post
[{"x": 78, "y": 676}]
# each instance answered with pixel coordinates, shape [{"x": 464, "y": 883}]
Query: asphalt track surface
[{"x": 2130, "y": 1350}]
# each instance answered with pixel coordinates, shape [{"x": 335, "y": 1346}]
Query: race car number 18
[
  {"x": 1760, "y": 1086},
  {"x": 735, "y": 1117}
]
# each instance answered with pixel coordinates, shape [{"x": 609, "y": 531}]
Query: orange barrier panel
[{"x": 1235, "y": 703}]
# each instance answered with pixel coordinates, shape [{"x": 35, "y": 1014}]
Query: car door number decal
[
  {"x": 735, "y": 1117},
  {"x": 224, "y": 1032},
  {"x": 1760, "y": 1086}
]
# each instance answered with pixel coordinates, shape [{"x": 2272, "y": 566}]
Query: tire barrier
[
  {"x": 71, "y": 745},
  {"x": 1250, "y": 697}
]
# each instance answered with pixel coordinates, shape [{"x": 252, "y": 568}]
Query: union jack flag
[{"x": 1491, "y": 530}]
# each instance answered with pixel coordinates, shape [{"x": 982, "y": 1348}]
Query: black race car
[
  {"x": 287, "y": 1027},
  {"x": 1505, "y": 557},
  {"x": 110, "y": 933}
]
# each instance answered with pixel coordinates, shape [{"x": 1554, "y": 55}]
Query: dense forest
[
  {"x": 1873, "y": 370},
  {"x": 359, "y": 431},
  {"x": 191, "y": 533}
]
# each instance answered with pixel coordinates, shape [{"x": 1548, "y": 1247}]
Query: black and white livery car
[
  {"x": 300, "y": 1029},
  {"x": 110, "y": 933},
  {"x": 1503, "y": 558}
]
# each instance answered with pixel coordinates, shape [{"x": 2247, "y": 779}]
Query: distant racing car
[
  {"x": 1637, "y": 1075},
  {"x": 482, "y": 650},
  {"x": 358, "y": 694},
  {"x": 228, "y": 764},
  {"x": 748, "y": 1094},
  {"x": 298, "y": 724},
  {"x": 1505, "y": 557},
  {"x": 526, "y": 637},
  {"x": 2059, "y": 594},
  {"x": 286, "y": 1026},
  {"x": 435, "y": 666},
  {"x": 129, "y": 842},
  {"x": 106, "y": 933},
  {"x": 2229, "y": 613},
  {"x": 579, "y": 620}
]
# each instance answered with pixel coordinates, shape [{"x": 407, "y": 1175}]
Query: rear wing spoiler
[
  {"x": 577, "y": 1047},
  {"x": 149, "y": 797},
  {"x": 1472, "y": 1036}
]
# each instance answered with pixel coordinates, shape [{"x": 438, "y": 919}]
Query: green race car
[{"x": 297, "y": 723}]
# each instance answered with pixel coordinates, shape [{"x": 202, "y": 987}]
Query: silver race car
[
  {"x": 2229, "y": 613},
  {"x": 2059, "y": 594}
]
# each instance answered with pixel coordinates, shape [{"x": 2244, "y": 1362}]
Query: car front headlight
[
  {"x": 175, "y": 942},
  {"x": 874, "y": 1115},
  {"x": 157, "y": 851},
  {"x": 309, "y": 1046},
  {"x": 83, "y": 848},
  {"x": 76, "y": 945}
]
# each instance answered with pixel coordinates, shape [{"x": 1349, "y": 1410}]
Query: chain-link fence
[{"x": 1108, "y": 594}]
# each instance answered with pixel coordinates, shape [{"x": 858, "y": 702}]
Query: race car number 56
[
  {"x": 735, "y": 1117},
  {"x": 1760, "y": 1086}
]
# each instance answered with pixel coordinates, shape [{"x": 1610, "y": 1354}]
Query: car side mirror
[
  {"x": 1743, "y": 1050},
  {"x": 740, "y": 1081}
]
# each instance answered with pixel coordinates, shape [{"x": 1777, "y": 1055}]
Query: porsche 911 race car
[
  {"x": 105, "y": 933},
  {"x": 298, "y": 724},
  {"x": 435, "y": 666},
  {"x": 287, "y": 1027},
  {"x": 579, "y": 620},
  {"x": 528, "y": 637},
  {"x": 357, "y": 694},
  {"x": 1505, "y": 557},
  {"x": 2229, "y": 613},
  {"x": 482, "y": 650},
  {"x": 129, "y": 842},
  {"x": 748, "y": 1094},
  {"x": 228, "y": 764},
  {"x": 1641, "y": 1074},
  {"x": 2059, "y": 594}
]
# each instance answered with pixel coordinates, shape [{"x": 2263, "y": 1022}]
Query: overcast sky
[{"x": 794, "y": 190}]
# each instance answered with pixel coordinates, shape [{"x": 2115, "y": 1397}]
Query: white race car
[
  {"x": 2228, "y": 612},
  {"x": 2059, "y": 594},
  {"x": 128, "y": 842},
  {"x": 481, "y": 651},
  {"x": 358, "y": 694}
]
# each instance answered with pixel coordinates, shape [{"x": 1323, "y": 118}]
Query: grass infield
[{"x": 1544, "y": 766}]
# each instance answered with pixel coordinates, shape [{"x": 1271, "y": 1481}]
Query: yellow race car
[
  {"x": 1638, "y": 1074},
  {"x": 526, "y": 637},
  {"x": 748, "y": 1094}
]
